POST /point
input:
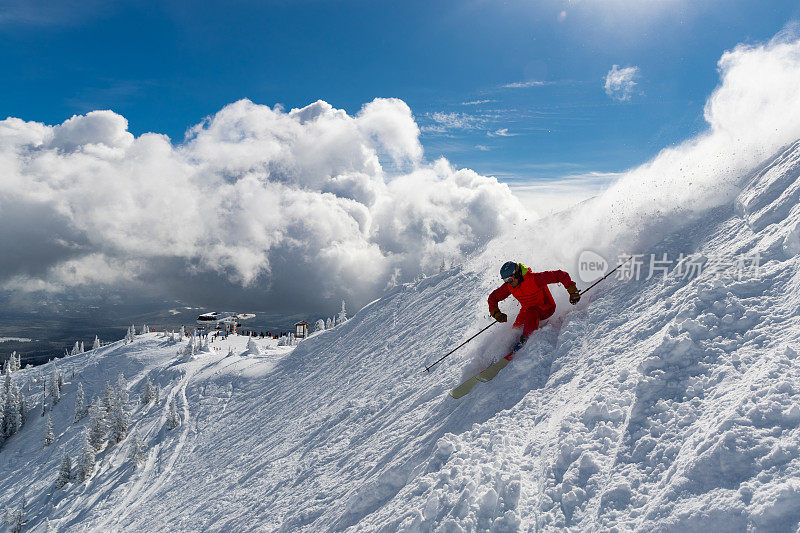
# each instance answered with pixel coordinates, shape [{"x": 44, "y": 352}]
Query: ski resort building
[{"x": 301, "y": 330}]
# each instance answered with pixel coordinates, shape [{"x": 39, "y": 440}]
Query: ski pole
[
  {"x": 428, "y": 368},
  {"x": 604, "y": 277}
]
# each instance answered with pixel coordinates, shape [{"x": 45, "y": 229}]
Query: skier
[{"x": 530, "y": 288}]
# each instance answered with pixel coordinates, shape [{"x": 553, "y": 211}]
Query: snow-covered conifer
[
  {"x": 252, "y": 347},
  {"x": 173, "y": 420},
  {"x": 96, "y": 343},
  {"x": 49, "y": 437},
  {"x": 75, "y": 349},
  {"x": 97, "y": 425},
  {"x": 108, "y": 398},
  {"x": 119, "y": 422},
  {"x": 64, "y": 472},
  {"x": 80, "y": 407},
  {"x": 85, "y": 465},
  {"x": 54, "y": 389},
  {"x": 342, "y": 318},
  {"x": 319, "y": 325},
  {"x": 157, "y": 398},
  {"x": 122, "y": 388},
  {"x": 137, "y": 453},
  {"x": 82, "y": 348},
  {"x": 328, "y": 323},
  {"x": 149, "y": 392},
  {"x": 12, "y": 419}
]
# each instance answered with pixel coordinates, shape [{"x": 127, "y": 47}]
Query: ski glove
[
  {"x": 574, "y": 294},
  {"x": 498, "y": 315}
]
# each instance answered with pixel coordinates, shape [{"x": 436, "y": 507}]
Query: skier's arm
[
  {"x": 554, "y": 276},
  {"x": 559, "y": 276},
  {"x": 498, "y": 295}
]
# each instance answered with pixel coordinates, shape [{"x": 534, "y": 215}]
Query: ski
[{"x": 485, "y": 375}]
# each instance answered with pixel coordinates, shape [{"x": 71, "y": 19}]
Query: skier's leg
[{"x": 528, "y": 320}]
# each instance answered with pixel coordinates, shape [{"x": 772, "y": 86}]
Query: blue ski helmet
[{"x": 508, "y": 269}]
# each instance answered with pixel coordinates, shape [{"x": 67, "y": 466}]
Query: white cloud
[
  {"x": 482, "y": 147},
  {"x": 523, "y": 84},
  {"x": 620, "y": 82},
  {"x": 452, "y": 121},
  {"x": 502, "y": 132},
  {"x": 478, "y": 102},
  {"x": 289, "y": 209}
]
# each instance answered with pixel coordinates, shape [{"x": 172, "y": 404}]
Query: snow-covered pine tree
[
  {"x": 54, "y": 389},
  {"x": 342, "y": 318},
  {"x": 157, "y": 398},
  {"x": 122, "y": 388},
  {"x": 137, "y": 453},
  {"x": 60, "y": 383},
  {"x": 319, "y": 325},
  {"x": 149, "y": 393},
  {"x": 82, "y": 349},
  {"x": 108, "y": 398},
  {"x": 173, "y": 420},
  {"x": 49, "y": 437},
  {"x": 96, "y": 432},
  {"x": 118, "y": 426},
  {"x": 328, "y": 323},
  {"x": 75, "y": 349},
  {"x": 16, "y": 520},
  {"x": 12, "y": 419},
  {"x": 252, "y": 347},
  {"x": 80, "y": 407},
  {"x": 96, "y": 343},
  {"x": 44, "y": 407},
  {"x": 85, "y": 465},
  {"x": 64, "y": 471}
]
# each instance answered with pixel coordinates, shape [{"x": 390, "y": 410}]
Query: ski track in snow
[{"x": 655, "y": 405}]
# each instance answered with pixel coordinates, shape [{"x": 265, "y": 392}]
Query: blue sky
[{"x": 512, "y": 89}]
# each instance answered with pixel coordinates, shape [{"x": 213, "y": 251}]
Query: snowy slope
[{"x": 654, "y": 405}]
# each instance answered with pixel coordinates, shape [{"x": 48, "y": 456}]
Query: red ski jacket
[{"x": 533, "y": 291}]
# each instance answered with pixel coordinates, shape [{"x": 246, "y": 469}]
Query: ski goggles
[{"x": 509, "y": 279}]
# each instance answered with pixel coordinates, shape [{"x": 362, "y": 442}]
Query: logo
[{"x": 591, "y": 266}]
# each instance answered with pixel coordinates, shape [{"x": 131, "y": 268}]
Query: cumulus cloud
[
  {"x": 620, "y": 82},
  {"x": 287, "y": 209}
]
